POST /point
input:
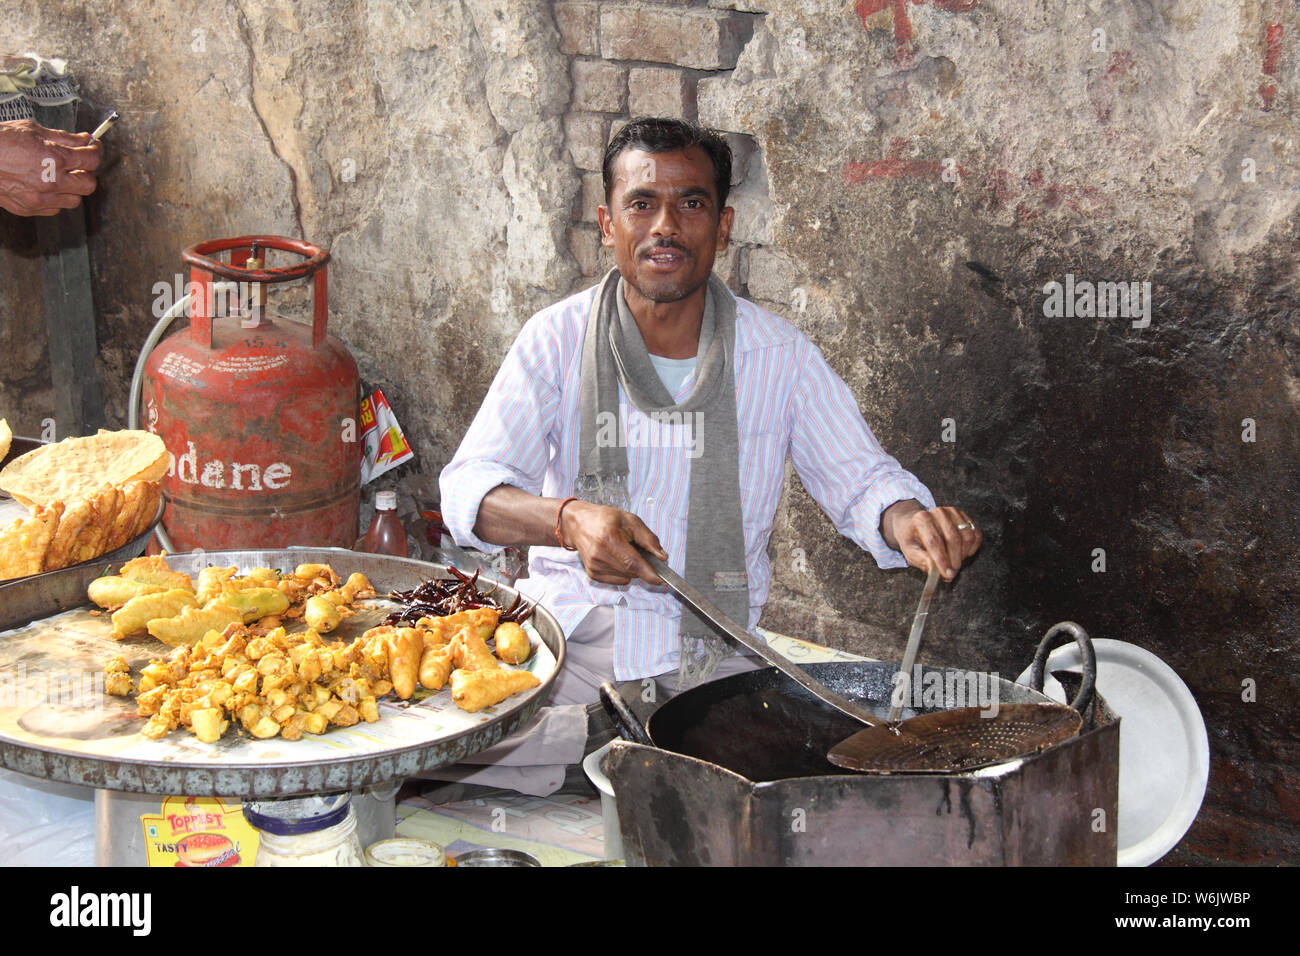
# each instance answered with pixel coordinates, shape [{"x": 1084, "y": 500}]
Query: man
[
  {"x": 656, "y": 411},
  {"x": 43, "y": 171}
]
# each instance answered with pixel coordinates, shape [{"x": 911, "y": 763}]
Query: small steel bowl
[{"x": 494, "y": 857}]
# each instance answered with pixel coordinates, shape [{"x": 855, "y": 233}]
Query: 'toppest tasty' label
[{"x": 199, "y": 831}]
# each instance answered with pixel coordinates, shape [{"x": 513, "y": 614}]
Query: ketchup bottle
[{"x": 385, "y": 534}]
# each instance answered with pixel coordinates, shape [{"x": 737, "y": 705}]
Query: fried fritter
[
  {"x": 112, "y": 591},
  {"x": 152, "y": 569},
  {"x": 189, "y": 626},
  {"x": 474, "y": 690},
  {"x": 512, "y": 643},
  {"x": 212, "y": 582},
  {"x": 321, "y": 615},
  {"x": 24, "y": 543},
  {"x": 483, "y": 620},
  {"x": 92, "y": 540},
  {"x": 78, "y": 514},
  {"x": 470, "y": 652},
  {"x": 255, "y": 603},
  {"x": 117, "y": 678},
  {"x": 136, "y": 613},
  {"x": 135, "y": 511},
  {"x": 405, "y": 647},
  {"x": 435, "y": 666}
]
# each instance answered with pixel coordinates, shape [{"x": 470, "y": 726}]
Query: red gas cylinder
[{"x": 260, "y": 415}]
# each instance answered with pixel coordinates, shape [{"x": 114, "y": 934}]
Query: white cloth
[
  {"x": 43, "y": 823},
  {"x": 789, "y": 403}
]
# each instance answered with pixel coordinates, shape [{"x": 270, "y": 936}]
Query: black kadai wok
[{"x": 726, "y": 764}]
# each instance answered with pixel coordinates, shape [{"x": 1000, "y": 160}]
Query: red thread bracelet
[{"x": 559, "y": 514}]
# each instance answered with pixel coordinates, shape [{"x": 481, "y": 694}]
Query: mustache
[{"x": 664, "y": 244}]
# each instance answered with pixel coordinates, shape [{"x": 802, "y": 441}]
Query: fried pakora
[
  {"x": 233, "y": 662},
  {"x": 512, "y": 643},
  {"x": 24, "y": 543},
  {"x": 112, "y": 590},
  {"x": 192, "y": 623},
  {"x": 474, "y": 690},
  {"x": 153, "y": 569},
  {"x": 134, "y": 616}
]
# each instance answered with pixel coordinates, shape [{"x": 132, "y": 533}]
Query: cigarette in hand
[{"x": 105, "y": 126}]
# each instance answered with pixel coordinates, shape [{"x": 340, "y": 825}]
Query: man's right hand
[
  {"x": 604, "y": 538},
  {"x": 43, "y": 171}
]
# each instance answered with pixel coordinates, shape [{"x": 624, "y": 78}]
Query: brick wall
[{"x": 652, "y": 58}]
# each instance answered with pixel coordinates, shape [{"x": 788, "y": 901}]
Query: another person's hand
[
  {"x": 944, "y": 536},
  {"x": 45, "y": 170},
  {"x": 603, "y": 537}
]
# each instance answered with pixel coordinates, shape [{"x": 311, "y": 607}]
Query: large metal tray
[{"x": 87, "y": 738}]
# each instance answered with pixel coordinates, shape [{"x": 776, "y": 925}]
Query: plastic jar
[
  {"x": 306, "y": 831},
  {"x": 402, "y": 851}
]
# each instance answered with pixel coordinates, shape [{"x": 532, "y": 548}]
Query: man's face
[{"x": 663, "y": 222}]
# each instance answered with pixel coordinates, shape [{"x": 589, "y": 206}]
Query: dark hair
[{"x": 660, "y": 135}]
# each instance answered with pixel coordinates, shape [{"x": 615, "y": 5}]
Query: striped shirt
[{"x": 788, "y": 403}]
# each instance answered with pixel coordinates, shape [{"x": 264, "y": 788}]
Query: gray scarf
[{"x": 614, "y": 352}]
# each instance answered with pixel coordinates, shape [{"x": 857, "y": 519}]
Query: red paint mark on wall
[
  {"x": 1120, "y": 62},
  {"x": 1103, "y": 91},
  {"x": 1034, "y": 194},
  {"x": 902, "y": 23},
  {"x": 1029, "y": 196},
  {"x": 1272, "y": 58},
  {"x": 998, "y": 182},
  {"x": 894, "y": 166}
]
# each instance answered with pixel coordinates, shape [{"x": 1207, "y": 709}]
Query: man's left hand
[{"x": 943, "y": 536}]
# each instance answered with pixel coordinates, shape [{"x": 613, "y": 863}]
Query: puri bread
[{"x": 79, "y": 467}]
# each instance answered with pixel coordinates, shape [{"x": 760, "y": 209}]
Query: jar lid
[
  {"x": 385, "y": 501},
  {"x": 297, "y": 815}
]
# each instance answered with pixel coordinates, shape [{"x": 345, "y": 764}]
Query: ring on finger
[{"x": 964, "y": 525}]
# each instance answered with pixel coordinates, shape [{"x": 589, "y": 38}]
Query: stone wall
[
  {"x": 649, "y": 59},
  {"x": 911, "y": 177}
]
